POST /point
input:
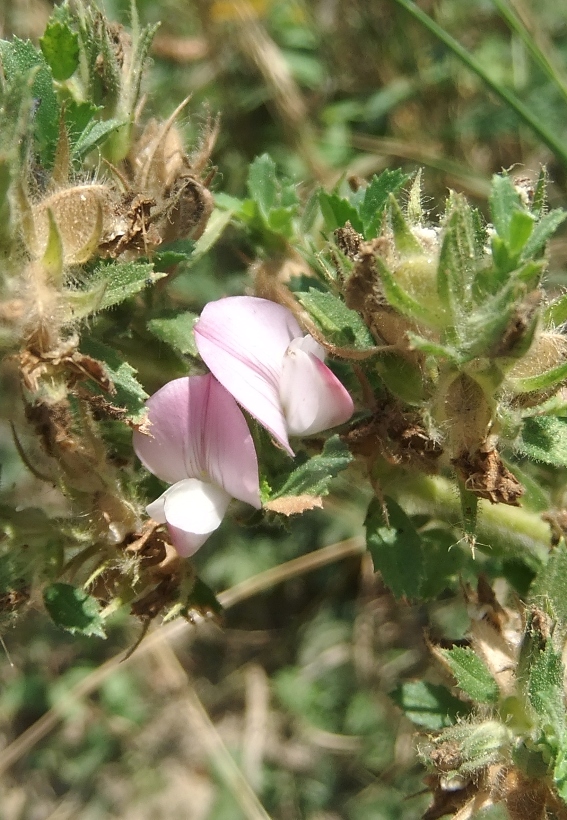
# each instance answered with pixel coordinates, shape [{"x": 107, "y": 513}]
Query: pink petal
[
  {"x": 312, "y": 397},
  {"x": 243, "y": 339},
  {"x": 198, "y": 431}
]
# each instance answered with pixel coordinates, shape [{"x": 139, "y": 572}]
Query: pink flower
[
  {"x": 200, "y": 443},
  {"x": 257, "y": 350}
]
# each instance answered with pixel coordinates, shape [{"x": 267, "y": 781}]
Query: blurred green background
[{"x": 297, "y": 683}]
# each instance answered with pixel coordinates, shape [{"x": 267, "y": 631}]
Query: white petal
[
  {"x": 312, "y": 397},
  {"x": 156, "y": 509},
  {"x": 195, "y": 506}
]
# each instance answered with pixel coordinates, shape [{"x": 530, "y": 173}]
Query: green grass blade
[{"x": 553, "y": 142}]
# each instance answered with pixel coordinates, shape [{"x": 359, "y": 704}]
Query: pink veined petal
[
  {"x": 198, "y": 431},
  {"x": 312, "y": 397},
  {"x": 193, "y": 510},
  {"x": 229, "y": 452},
  {"x": 242, "y": 340},
  {"x": 173, "y": 449}
]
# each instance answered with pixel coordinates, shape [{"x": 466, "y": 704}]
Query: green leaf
[
  {"x": 428, "y": 705},
  {"x": 556, "y": 313},
  {"x": 337, "y": 211},
  {"x": 542, "y": 231},
  {"x": 78, "y": 304},
  {"x": 340, "y": 325},
  {"x": 276, "y": 201},
  {"x": 94, "y": 134},
  {"x": 520, "y": 230},
  {"x": 130, "y": 395},
  {"x": 395, "y": 547},
  {"x": 218, "y": 221},
  {"x": 406, "y": 243},
  {"x": 177, "y": 332},
  {"x": 60, "y": 47},
  {"x": 181, "y": 250},
  {"x": 376, "y": 197},
  {"x": 549, "y": 378},
  {"x": 549, "y": 590},
  {"x": 544, "y": 438},
  {"x": 73, "y": 609},
  {"x": 21, "y": 62},
  {"x": 457, "y": 258},
  {"x": 546, "y": 692},
  {"x": 402, "y": 377},
  {"x": 504, "y": 201},
  {"x": 472, "y": 675},
  {"x": 123, "y": 279},
  {"x": 314, "y": 476}
]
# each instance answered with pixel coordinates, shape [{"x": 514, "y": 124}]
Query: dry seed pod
[{"x": 80, "y": 213}]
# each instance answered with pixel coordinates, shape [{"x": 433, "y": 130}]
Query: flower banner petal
[{"x": 242, "y": 340}]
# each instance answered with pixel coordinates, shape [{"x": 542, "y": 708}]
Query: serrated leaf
[
  {"x": 122, "y": 280},
  {"x": 314, "y": 476},
  {"x": 472, "y": 675},
  {"x": 177, "y": 332},
  {"x": 60, "y": 47},
  {"x": 275, "y": 199},
  {"x": 544, "y": 438},
  {"x": 376, "y": 197},
  {"x": 546, "y": 692},
  {"x": 395, "y": 547},
  {"x": 130, "y": 395},
  {"x": 337, "y": 211},
  {"x": 340, "y": 325},
  {"x": 428, "y": 705},
  {"x": 73, "y": 609},
  {"x": 20, "y": 62},
  {"x": 541, "y": 232}
]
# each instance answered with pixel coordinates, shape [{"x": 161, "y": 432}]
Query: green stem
[
  {"x": 554, "y": 143},
  {"x": 502, "y": 530}
]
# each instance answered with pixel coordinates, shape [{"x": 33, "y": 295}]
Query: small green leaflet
[
  {"x": 395, "y": 547},
  {"x": 428, "y": 705},
  {"x": 504, "y": 201},
  {"x": 60, "y": 47},
  {"x": 314, "y": 476},
  {"x": 340, "y": 325},
  {"x": 550, "y": 586},
  {"x": 375, "y": 199},
  {"x": 130, "y": 395},
  {"x": 276, "y": 200},
  {"x": 472, "y": 675},
  {"x": 177, "y": 332},
  {"x": 74, "y": 609}
]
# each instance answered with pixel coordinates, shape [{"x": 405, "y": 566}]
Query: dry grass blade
[
  {"x": 205, "y": 734},
  {"x": 229, "y": 598}
]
